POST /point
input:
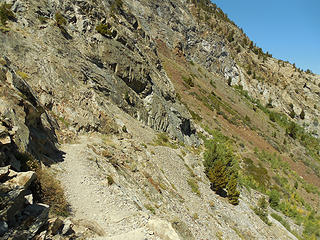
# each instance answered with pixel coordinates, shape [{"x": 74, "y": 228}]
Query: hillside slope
[{"x": 132, "y": 93}]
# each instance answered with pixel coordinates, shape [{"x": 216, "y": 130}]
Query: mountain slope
[{"x": 155, "y": 82}]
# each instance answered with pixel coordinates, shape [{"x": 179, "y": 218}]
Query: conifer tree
[
  {"x": 218, "y": 176},
  {"x": 233, "y": 192},
  {"x": 302, "y": 114},
  {"x": 222, "y": 170}
]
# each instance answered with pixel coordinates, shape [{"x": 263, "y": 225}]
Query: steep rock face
[
  {"x": 25, "y": 125},
  {"x": 60, "y": 71},
  {"x": 72, "y": 69},
  {"x": 182, "y": 27}
]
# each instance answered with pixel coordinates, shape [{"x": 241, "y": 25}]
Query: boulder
[
  {"x": 55, "y": 225},
  {"x": 29, "y": 199},
  {"x": 34, "y": 217},
  {"x": 22, "y": 179},
  {"x": 5, "y": 140},
  {"x": 67, "y": 228},
  {"x": 163, "y": 229},
  {"x": 12, "y": 203},
  {"x": 3, "y": 228},
  {"x": 4, "y": 171}
]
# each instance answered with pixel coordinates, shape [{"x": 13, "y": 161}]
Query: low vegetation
[
  {"x": 47, "y": 188},
  {"x": 163, "y": 140},
  {"x": 262, "y": 210},
  {"x": 105, "y": 30},
  {"x": 194, "y": 186},
  {"x": 6, "y": 13},
  {"x": 60, "y": 20}
]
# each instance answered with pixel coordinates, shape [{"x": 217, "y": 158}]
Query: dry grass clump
[
  {"x": 51, "y": 192},
  {"x": 46, "y": 189}
]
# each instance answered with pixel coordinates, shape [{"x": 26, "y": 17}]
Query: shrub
[
  {"x": 47, "y": 188},
  {"x": 292, "y": 130},
  {"x": 272, "y": 116},
  {"x": 194, "y": 186},
  {"x": 150, "y": 208},
  {"x": 263, "y": 204},
  {"x": 302, "y": 115},
  {"x": 110, "y": 180},
  {"x": 104, "y": 29},
  {"x": 188, "y": 80},
  {"x": 292, "y": 114},
  {"x": 6, "y": 13},
  {"x": 274, "y": 198},
  {"x": 163, "y": 140},
  {"x": 230, "y": 36},
  {"x": 263, "y": 215},
  {"x": 60, "y": 20},
  {"x": 52, "y": 192}
]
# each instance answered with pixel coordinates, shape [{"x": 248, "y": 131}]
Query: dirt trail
[{"x": 108, "y": 208}]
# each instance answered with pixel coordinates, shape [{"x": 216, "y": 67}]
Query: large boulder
[{"x": 163, "y": 229}]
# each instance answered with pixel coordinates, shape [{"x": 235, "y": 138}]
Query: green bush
[
  {"x": 194, "y": 186},
  {"x": 263, "y": 215},
  {"x": 272, "y": 116},
  {"x": 105, "y": 30},
  {"x": 312, "y": 227},
  {"x": 258, "y": 173},
  {"x": 6, "y": 14},
  {"x": 274, "y": 198},
  {"x": 188, "y": 80},
  {"x": 292, "y": 130},
  {"x": 60, "y": 20},
  {"x": 292, "y": 114},
  {"x": 302, "y": 115}
]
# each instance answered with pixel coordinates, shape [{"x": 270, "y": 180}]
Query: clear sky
[{"x": 288, "y": 29}]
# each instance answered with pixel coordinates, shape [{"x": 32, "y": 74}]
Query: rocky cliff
[{"x": 122, "y": 72}]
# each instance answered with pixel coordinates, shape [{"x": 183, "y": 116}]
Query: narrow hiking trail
[{"x": 108, "y": 208}]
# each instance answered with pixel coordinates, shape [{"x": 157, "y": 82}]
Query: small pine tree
[
  {"x": 251, "y": 45},
  {"x": 263, "y": 204},
  {"x": 233, "y": 192},
  {"x": 292, "y": 114},
  {"x": 274, "y": 198},
  {"x": 60, "y": 20},
  {"x": 218, "y": 176},
  {"x": 6, "y": 14},
  {"x": 292, "y": 130},
  {"x": 302, "y": 114}
]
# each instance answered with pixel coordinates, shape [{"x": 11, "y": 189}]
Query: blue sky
[{"x": 288, "y": 29}]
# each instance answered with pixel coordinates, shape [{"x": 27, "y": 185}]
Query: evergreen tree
[
  {"x": 218, "y": 176},
  {"x": 233, "y": 192},
  {"x": 302, "y": 114},
  {"x": 222, "y": 170}
]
